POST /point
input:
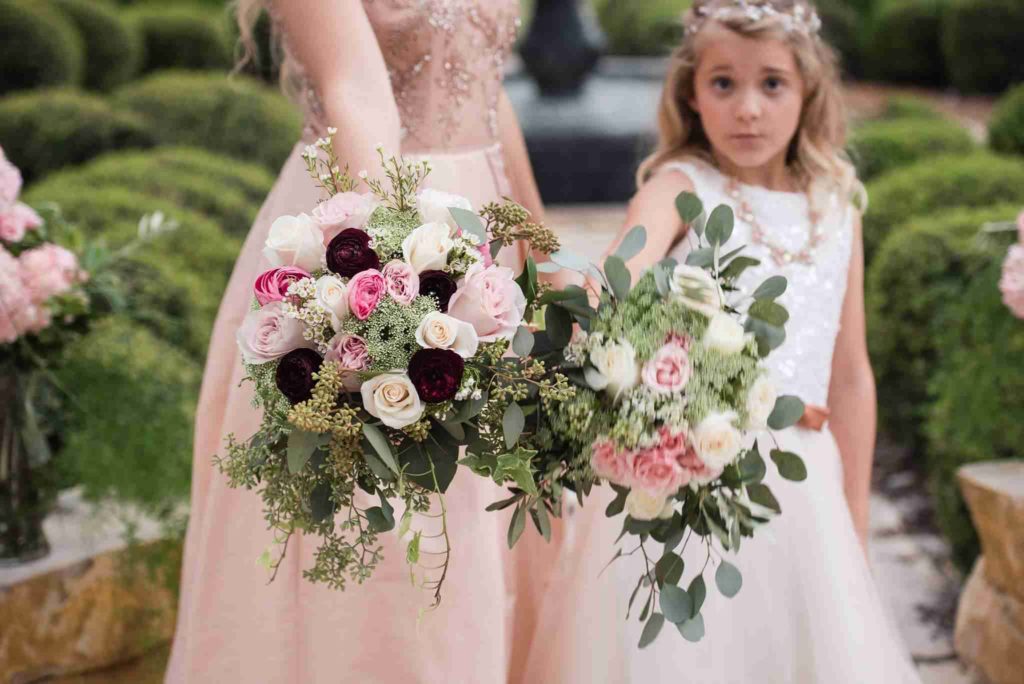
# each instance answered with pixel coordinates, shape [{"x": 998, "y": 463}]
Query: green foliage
[
  {"x": 908, "y": 107},
  {"x": 652, "y": 27},
  {"x": 38, "y": 47},
  {"x": 903, "y": 43},
  {"x": 113, "y": 49},
  {"x": 981, "y": 40},
  {"x": 881, "y": 146},
  {"x": 1006, "y": 129},
  {"x": 979, "y": 401},
  {"x": 239, "y": 117},
  {"x": 129, "y": 431},
  {"x": 181, "y": 38},
  {"x": 933, "y": 185},
  {"x": 919, "y": 271},
  {"x": 841, "y": 28},
  {"x": 45, "y": 130}
]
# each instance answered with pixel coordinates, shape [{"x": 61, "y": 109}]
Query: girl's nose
[{"x": 749, "y": 108}]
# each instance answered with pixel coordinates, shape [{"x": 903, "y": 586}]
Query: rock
[
  {"x": 994, "y": 492},
  {"x": 990, "y": 628}
]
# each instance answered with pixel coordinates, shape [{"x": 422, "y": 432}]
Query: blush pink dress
[{"x": 445, "y": 62}]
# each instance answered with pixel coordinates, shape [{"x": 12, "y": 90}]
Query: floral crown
[{"x": 800, "y": 18}]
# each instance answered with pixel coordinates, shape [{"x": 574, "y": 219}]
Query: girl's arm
[
  {"x": 349, "y": 74},
  {"x": 851, "y": 398}
]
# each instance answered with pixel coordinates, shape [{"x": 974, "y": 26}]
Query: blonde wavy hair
[{"x": 816, "y": 153}]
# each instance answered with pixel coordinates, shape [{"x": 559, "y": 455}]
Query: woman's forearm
[{"x": 853, "y": 423}]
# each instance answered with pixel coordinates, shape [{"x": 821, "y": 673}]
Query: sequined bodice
[
  {"x": 445, "y": 59},
  {"x": 814, "y": 298}
]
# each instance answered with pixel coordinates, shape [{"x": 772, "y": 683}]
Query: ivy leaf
[
  {"x": 728, "y": 579},
  {"x": 632, "y": 244},
  {"x": 381, "y": 445},
  {"x": 675, "y": 604},
  {"x": 618, "y": 277},
  {"x": 651, "y": 630},
  {"x": 522, "y": 342},
  {"x": 689, "y": 207},
  {"x": 772, "y": 289},
  {"x": 512, "y": 424},
  {"x": 787, "y": 412},
  {"x": 380, "y": 520},
  {"x": 790, "y": 465},
  {"x": 469, "y": 222}
]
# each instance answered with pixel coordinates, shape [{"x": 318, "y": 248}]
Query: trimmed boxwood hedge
[
  {"x": 113, "y": 48},
  {"x": 981, "y": 41},
  {"x": 881, "y": 146},
  {"x": 181, "y": 38},
  {"x": 903, "y": 42},
  {"x": 908, "y": 107},
  {"x": 1006, "y": 129},
  {"x": 39, "y": 47}
]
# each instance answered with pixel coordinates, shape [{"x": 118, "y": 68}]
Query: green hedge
[
  {"x": 38, "y": 47},
  {"x": 47, "y": 129},
  {"x": 113, "y": 49},
  {"x": 881, "y": 146},
  {"x": 908, "y": 107},
  {"x": 979, "y": 401},
  {"x": 982, "y": 44},
  {"x": 919, "y": 270},
  {"x": 130, "y": 428},
  {"x": 181, "y": 38},
  {"x": 652, "y": 27},
  {"x": 939, "y": 184},
  {"x": 1006, "y": 129},
  {"x": 251, "y": 180},
  {"x": 239, "y": 117},
  {"x": 903, "y": 42},
  {"x": 841, "y": 27}
]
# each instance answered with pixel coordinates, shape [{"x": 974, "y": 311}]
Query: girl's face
[{"x": 749, "y": 94}]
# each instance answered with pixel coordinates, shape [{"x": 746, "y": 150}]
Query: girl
[{"x": 751, "y": 116}]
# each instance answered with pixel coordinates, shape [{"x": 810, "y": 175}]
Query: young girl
[{"x": 752, "y": 117}]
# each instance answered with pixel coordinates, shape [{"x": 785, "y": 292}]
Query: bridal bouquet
[
  {"x": 671, "y": 394},
  {"x": 377, "y": 344}
]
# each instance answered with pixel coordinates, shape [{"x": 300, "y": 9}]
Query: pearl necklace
[{"x": 781, "y": 255}]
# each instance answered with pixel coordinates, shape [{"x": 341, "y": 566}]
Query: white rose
[
  {"x": 392, "y": 398},
  {"x": 760, "y": 403},
  {"x": 616, "y": 362},
  {"x": 725, "y": 334},
  {"x": 717, "y": 441},
  {"x": 441, "y": 331},
  {"x": 427, "y": 247},
  {"x": 433, "y": 207},
  {"x": 642, "y": 506},
  {"x": 332, "y": 295},
  {"x": 695, "y": 288},
  {"x": 295, "y": 241}
]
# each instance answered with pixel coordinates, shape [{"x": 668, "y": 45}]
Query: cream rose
[
  {"x": 761, "y": 403},
  {"x": 441, "y": 331},
  {"x": 725, "y": 334},
  {"x": 332, "y": 295},
  {"x": 433, "y": 206},
  {"x": 295, "y": 241},
  {"x": 616, "y": 362},
  {"x": 269, "y": 333},
  {"x": 695, "y": 288},
  {"x": 717, "y": 440},
  {"x": 427, "y": 247},
  {"x": 643, "y": 506},
  {"x": 392, "y": 398}
]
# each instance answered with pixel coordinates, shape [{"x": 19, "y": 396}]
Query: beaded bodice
[
  {"x": 814, "y": 297},
  {"x": 445, "y": 60}
]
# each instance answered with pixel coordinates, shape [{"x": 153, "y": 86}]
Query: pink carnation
[
  {"x": 611, "y": 464},
  {"x": 365, "y": 291},
  {"x": 352, "y": 355},
  {"x": 18, "y": 219},
  {"x": 657, "y": 471},
  {"x": 669, "y": 370},
  {"x": 10, "y": 183},
  {"x": 272, "y": 285},
  {"x": 49, "y": 270},
  {"x": 1012, "y": 282},
  {"x": 402, "y": 282}
]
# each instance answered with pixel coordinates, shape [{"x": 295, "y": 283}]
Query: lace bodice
[
  {"x": 814, "y": 298},
  {"x": 445, "y": 59}
]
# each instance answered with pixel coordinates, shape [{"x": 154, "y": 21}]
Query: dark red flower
[
  {"x": 349, "y": 253},
  {"x": 439, "y": 285},
  {"x": 295, "y": 374},
  {"x": 436, "y": 374}
]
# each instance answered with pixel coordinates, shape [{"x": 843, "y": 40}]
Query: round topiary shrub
[
  {"x": 653, "y": 27},
  {"x": 919, "y": 270},
  {"x": 39, "y": 47},
  {"x": 908, "y": 107},
  {"x": 981, "y": 43},
  {"x": 251, "y": 180},
  {"x": 841, "y": 28},
  {"x": 933, "y": 185},
  {"x": 903, "y": 42},
  {"x": 979, "y": 401},
  {"x": 239, "y": 117},
  {"x": 1006, "y": 129},
  {"x": 181, "y": 38},
  {"x": 881, "y": 146},
  {"x": 45, "y": 130},
  {"x": 113, "y": 49}
]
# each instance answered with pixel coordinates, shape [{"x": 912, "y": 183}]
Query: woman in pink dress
[{"x": 422, "y": 77}]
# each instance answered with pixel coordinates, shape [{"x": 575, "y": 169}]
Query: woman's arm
[
  {"x": 336, "y": 46},
  {"x": 851, "y": 398}
]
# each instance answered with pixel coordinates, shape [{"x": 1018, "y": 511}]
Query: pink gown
[{"x": 445, "y": 63}]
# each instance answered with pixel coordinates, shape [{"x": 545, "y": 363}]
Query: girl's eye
[
  {"x": 721, "y": 83},
  {"x": 772, "y": 84}
]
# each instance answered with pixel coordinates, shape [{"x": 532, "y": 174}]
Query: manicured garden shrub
[
  {"x": 841, "y": 26},
  {"x": 181, "y": 38},
  {"x": 1006, "y": 129},
  {"x": 903, "y": 42},
  {"x": 39, "y": 47},
  {"x": 113, "y": 49},
  {"x": 881, "y": 146},
  {"x": 652, "y": 27},
  {"x": 908, "y": 107},
  {"x": 981, "y": 41}
]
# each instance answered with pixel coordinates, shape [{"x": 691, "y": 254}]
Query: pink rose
[
  {"x": 272, "y": 285},
  {"x": 658, "y": 472},
  {"x": 49, "y": 270},
  {"x": 1011, "y": 284},
  {"x": 402, "y": 282},
  {"x": 14, "y": 301},
  {"x": 673, "y": 443},
  {"x": 269, "y": 333},
  {"x": 351, "y": 354},
  {"x": 692, "y": 463},
  {"x": 1020, "y": 228},
  {"x": 490, "y": 300},
  {"x": 344, "y": 210},
  {"x": 17, "y": 220},
  {"x": 669, "y": 370},
  {"x": 365, "y": 291},
  {"x": 10, "y": 182},
  {"x": 611, "y": 464}
]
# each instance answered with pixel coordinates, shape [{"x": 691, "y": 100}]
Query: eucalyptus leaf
[
  {"x": 522, "y": 342},
  {"x": 618, "y": 504},
  {"x": 787, "y": 412},
  {"x": 738, "y": 265},
  {"x": 455, "y": 429},
  {"x": 662, "y": 280},
  {"x": 702, "y": 258},
  {"x": 720, "y": 225},
  {"x": 692, "y": 630},
  {"x": 728, "y": 579},
  {"x": 512, "y": 424},
  {"x": 698, "y": 592},
  {"x": 527, "y": 280},
  {"x": 752, "y": 467},
  {"x": 669, "y": 568},
  {"x": 769, "y": 312},
  {"x": 676, "y": 604},
  {"x": 768, "y": 336},
  {"x": 469, "y": 222},
  {"x": 618, "y": 277},
  {"x": 569, "y": 292},
  {"x": 689, "y": 207},
  {"x": 570, "y": 260},
  {"x": 376, "y": 465},
  {"x": 548, "y": 267},
  {"x": 790, "y": 465},
  {"x": 381, "y": 445},
  {"x": 772, "y": 288},
  {"x": 301, "y": 445},
  {"x": 495, "y": 248},
  {"x": 558, "y": 324},
  {"x": 632, "y": 244},
  {"x": 651, "y": 629},
  {"x": 761, "y": 494},
  {"x": 321, "y": 506}
]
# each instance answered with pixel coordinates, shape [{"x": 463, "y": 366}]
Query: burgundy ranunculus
[
  {"x": 436, "y": 374},
  {"x": 295, "y": 374},
  {"x": 439, "y": 285},
  {"x": 349, "y": 253}
]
